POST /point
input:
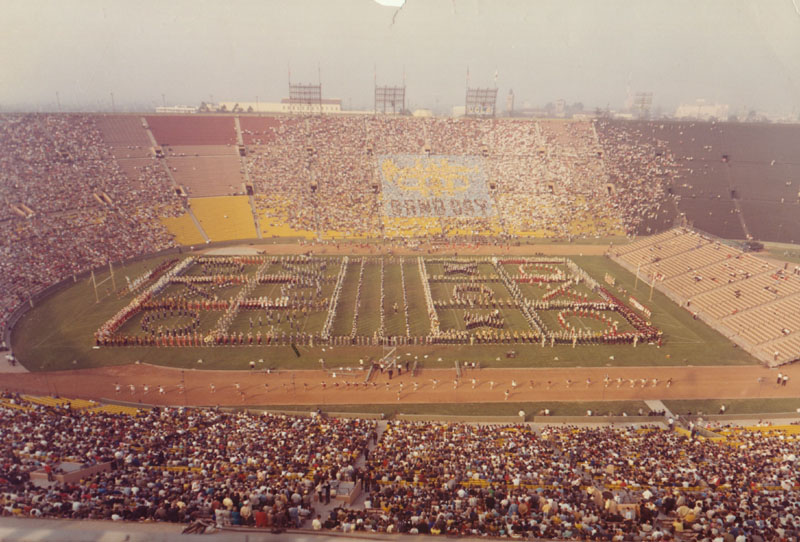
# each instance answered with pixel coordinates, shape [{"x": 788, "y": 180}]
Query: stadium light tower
[
  {"x": 480, "y": 102},
  {"x": 390, "y": 99},
  {"x": 305, "y": 98}
]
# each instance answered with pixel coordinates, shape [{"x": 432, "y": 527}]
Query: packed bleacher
[
  {"x": 749, "y": 299},
  {"x": 80, "y": 190},
  {"x": 455, "y": 479},
  {"x": 640, "y": 169},
  {"x": 170, "y": 465},
  {"x": 587, "y": 484},
  {"x": 547, "y": 178},
  {"x": 69, "y": 206},
  {"x": 550, "y": 178}
]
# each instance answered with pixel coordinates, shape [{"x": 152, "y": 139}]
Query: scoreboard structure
[
  {"x": 390, "y": 99},
  {"x": 305, "y": 98},
  {"x": 480, "y": 102}
]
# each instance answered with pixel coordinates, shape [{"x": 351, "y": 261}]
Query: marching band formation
[
  {"x": 475, "y": 320},
  {"x": 469, "y": 295},
  {"x": 176, "y": 320},
  {"x": 460, "y": 268}
]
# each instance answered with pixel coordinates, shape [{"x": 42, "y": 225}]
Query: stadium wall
[{"x": 724, "y": 419}]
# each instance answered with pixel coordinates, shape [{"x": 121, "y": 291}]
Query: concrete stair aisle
[
  {"x": 243, "y": 161},
  {"x": 323, "y": 510},
  {"x": 657, "y": 405}
]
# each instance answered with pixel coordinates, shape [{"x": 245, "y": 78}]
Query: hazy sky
[{"x": 742, "y": 52}]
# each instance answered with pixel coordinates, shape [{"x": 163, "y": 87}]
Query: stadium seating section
[
  {"x": 271, "y": 471},
  {"x": 82, "y": 190},
  {"x": 749, "y": 299},
  {"x": 184, "y": 229},
  {"x": 185, "y": 130},
  {"x": 225, "y": 218}
]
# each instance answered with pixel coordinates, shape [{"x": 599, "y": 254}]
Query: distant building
[
  {"x": 531, "y": 112},
  {"x": 510, "y": 103},
  {"x": 701, "y": 110},
  {"x": 327, "y": 106},
  {"x": 186, "y": 109}
]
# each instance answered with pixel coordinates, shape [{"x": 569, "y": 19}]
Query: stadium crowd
[
  {"x": 640, "y": 171},
  {"x": 174, "y": 465},
  {"x": 517, "y": 481},
  {"x": 545, "y": 178},
  {"x": 71, "y": 205},
  {"x": 68, "y": 205}
]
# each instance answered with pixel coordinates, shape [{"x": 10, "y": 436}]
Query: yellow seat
[{"x": 225, "y": 218}]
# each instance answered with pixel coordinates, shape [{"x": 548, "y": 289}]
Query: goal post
[{"x": 110, "y": 277}]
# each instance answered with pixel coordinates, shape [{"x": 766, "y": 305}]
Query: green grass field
[
  {"x": 788, "y": 255},
  {"x": 575, "y": 408},
  {"x": 58, "y": 332}
]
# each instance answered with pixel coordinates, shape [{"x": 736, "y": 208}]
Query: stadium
[
  {"x": 245, "y": 291},
  {"x": 311, "y": 323}
]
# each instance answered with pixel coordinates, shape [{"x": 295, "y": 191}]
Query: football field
[{"x": 290, "y": 312}]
